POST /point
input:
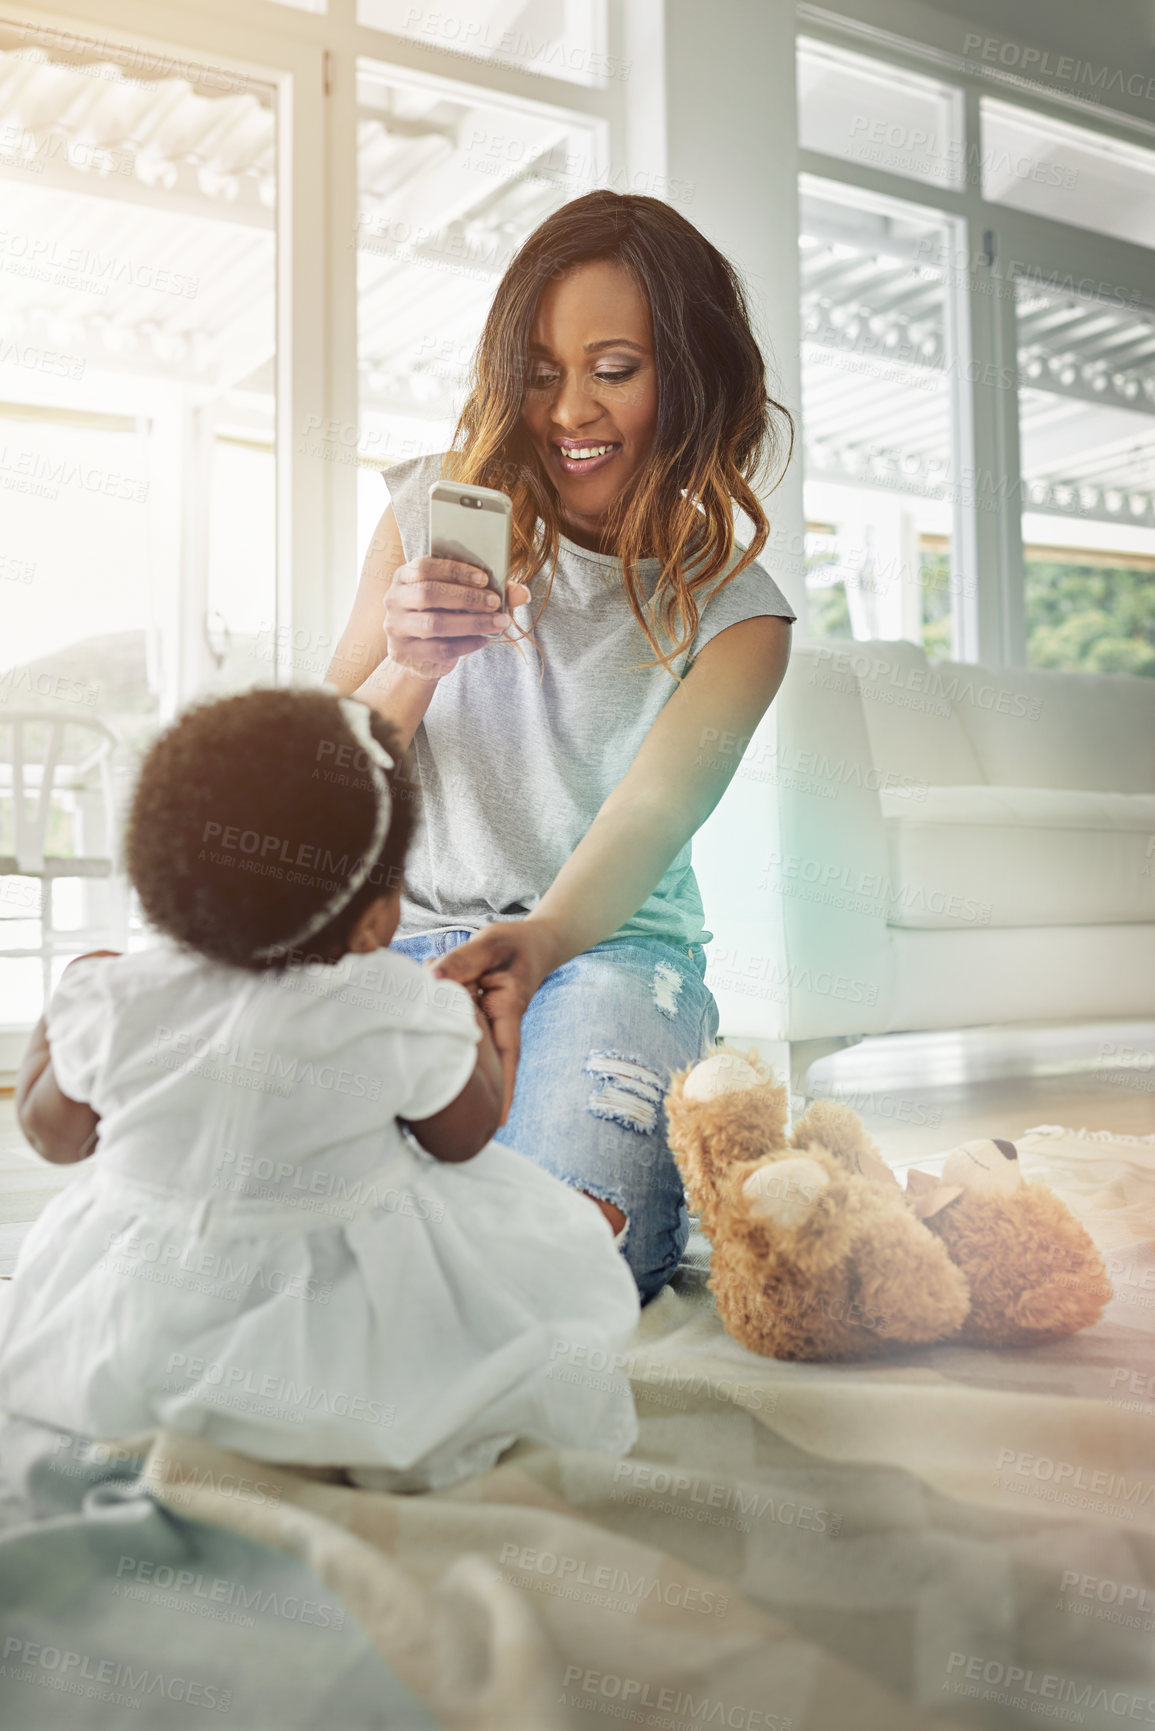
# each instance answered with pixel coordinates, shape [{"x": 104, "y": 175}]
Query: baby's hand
[{"x": 471, "y": 986}]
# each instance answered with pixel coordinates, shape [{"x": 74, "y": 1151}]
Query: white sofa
[{"x": 915, "y": 845}]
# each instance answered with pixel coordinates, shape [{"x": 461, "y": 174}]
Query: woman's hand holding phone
[{"x": 439, "y": 610}]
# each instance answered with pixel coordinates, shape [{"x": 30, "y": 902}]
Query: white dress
[{"x": 259, "y": 1253}]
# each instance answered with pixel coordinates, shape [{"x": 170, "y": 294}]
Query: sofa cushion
[
  {"x": 1019, "y": 856},
  {"x": 1031, "y": 727},
  {"x": 915, "y": 736}
]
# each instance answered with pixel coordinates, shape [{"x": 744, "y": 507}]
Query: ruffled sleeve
[
  {"x": 407, "y": 1040},
  {"x": 439, "y": 1069},
  {"x": 79, "y": 1021}
]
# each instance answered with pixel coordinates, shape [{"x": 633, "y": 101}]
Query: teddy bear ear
[
  {"x": 984, "y": 1164},
  {"x": 736, "y": 1113}
]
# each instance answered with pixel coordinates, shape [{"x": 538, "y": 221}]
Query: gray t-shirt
[{"x": 514, "y": 768}]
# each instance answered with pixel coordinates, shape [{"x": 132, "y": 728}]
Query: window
[
  {"x": 185, "y": 422},
  {"x": 1035, "y": 163},
  {"x": 876, "y": 402},
  {"x": 1087, "y": 428},
  {"x": 868, "y": 112},
  {"x": 978, "y": 358},
  {"x": 447, "y": 191},
  {"x": 137, "y": 410},
  {"x": 137, "y": 299}
]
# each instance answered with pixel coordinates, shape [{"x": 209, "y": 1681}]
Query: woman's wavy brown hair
[{"x": 718, "y": 429}]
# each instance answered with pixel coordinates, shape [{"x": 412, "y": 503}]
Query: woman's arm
[{"x": 669, "y": 790}]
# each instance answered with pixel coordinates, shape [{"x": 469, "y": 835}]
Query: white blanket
[{"x": 950, "y": 1537}]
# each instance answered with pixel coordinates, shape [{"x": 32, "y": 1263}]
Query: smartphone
[{"x": 472, "y": 524}]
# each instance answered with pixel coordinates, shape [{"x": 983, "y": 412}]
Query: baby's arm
[
  {"x": 60, "y": 1129},
  {"x": 461, "y": 1129}
]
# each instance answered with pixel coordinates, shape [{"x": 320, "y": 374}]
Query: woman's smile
[{"x": 581, "y": 456}]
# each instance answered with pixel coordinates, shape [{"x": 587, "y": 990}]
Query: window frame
[{"x": 1000, "y": 243}]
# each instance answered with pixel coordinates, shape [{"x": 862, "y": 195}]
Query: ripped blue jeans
[{"x": 599, "y": 1041}]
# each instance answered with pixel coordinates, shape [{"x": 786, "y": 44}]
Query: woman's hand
[
  {"x": 502, "y": 967},
  {"x": 437, "y": 610}
]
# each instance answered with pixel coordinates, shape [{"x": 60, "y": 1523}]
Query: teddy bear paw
[
  {"x": 785, "y": 1191},
  {"x": 720, "y": 1073}
]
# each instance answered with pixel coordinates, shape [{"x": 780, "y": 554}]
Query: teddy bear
[{"x": 819, "y": 1253}]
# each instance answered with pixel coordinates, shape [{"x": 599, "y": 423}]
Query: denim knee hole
[{"x": 627, "y": 1091}]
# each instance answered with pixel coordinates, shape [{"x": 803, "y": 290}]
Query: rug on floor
[{"x": 1107, "y": 1179}]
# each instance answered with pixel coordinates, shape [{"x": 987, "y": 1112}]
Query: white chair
[{"x": 56, "y": 770}]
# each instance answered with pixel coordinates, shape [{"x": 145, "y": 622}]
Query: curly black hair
[{"x": 250, "y": 812}]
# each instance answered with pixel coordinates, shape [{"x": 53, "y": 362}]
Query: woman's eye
[{"x": 546, "y": 381}]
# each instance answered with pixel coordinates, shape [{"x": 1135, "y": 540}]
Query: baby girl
[{"x": 293, "y": 1233}]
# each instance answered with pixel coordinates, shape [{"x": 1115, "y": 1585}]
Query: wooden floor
[{"x": 918, "y": 1094}]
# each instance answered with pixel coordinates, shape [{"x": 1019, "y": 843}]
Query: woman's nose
[{"x": 574, "y": 405}]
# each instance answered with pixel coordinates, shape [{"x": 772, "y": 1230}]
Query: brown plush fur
[
  {"x": 860, "y": 1275},
  {"x": 841, "y": 1131},
  {"x": 1033, "y": 1271}
]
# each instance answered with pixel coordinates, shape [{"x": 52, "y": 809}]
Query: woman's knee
[
  {"x": 612, "y": 1212},
  {"x": 655, "y": 1249},
  {"x": 652, "y": 1264}
]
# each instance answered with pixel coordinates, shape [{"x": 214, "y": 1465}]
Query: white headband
[{"x": 356, "y": 716}]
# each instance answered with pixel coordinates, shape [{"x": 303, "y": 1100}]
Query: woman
[{"x": 618, "y": 396}]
